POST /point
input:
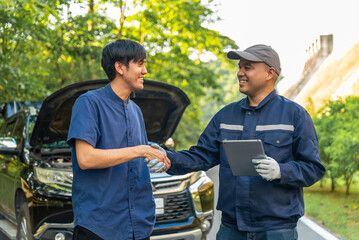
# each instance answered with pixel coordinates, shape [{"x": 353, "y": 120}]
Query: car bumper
[
  {"x": 188, "y": 235},
  {"x": 49, "y": 231}
]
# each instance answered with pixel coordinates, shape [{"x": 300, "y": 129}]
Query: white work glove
[
  {"x": 155, "y": 145},
  {"x": 267, "y": 168},
  {"x": 154, "y": 165}
]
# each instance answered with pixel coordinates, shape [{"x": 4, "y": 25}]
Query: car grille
[
  {"x": 168, "y": 185},
  {"x": 177, "y": 208}
]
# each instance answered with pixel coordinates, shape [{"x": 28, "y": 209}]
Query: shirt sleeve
[
  {"x": 306, "y": 169},
  {"x": 203, "y": 156},
  {"x": 84, "y": 122}
]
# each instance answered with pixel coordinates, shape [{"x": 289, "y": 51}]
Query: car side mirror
[
  {"x": 8, "y": 145},
  {"x": 170, "y": 143}
]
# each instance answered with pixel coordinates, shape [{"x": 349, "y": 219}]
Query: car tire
[{"x": 24, "y": 223}]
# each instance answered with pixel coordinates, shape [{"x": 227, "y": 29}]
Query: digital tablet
[{"x": 240, "y": 154}]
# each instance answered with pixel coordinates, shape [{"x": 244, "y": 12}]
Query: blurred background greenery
[{"x": 45, "y": 46}]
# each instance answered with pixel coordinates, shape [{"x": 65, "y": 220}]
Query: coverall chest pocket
[
  {"x": 227, "y": 135},
  {"x": 278, "y": 145}
]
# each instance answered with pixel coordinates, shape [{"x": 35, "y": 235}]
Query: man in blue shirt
[
  {"x": 265, "y": 207},
  {"x": 112, "y": 192}
]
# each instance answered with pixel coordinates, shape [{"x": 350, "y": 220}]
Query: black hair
[{"x": 123, "y": 51}]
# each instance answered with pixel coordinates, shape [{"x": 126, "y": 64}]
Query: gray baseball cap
[{"x": 258, "y": 53}]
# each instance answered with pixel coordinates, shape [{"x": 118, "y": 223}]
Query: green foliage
[
  {"x": 335, "y": 210},
  {"x": 217, "y": 98},
  {"x": 172, "y": 33},
  {"x": 45, "y": 47},
  {"x": 24, "y": 28},
  {"x": 337, "y": 129}
]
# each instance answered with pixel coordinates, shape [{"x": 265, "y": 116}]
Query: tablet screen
[{"x": 240, "y": 154}]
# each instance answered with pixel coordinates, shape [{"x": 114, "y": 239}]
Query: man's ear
[
  {"x": 271, "y": 73},
  {"x": 119, "y": 68}
]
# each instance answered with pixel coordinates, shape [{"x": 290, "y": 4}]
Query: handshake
[{"x": 158, "y": 164}]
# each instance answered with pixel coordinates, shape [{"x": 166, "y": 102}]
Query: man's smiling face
[
  {"x": 133, "y": 75},
  {"x": 251, "y": 76}
]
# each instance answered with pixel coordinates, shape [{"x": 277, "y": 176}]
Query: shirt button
[
  {"x": 131, "y": 188},
  {"x": 130, "y": 169},
  {"x": 249, "y": 113},
  {"x": 129, "y": 134},
  {"x": 278, "y": 141},
  {"x": 131, "y": 206}
]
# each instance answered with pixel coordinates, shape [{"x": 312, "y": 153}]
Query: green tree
[
  {"x": 323, "y": 121},
  {"x": 45, "y": 48},
  {"x": 24, "y": 27},
  {"x": 174, "y": 37},
  {"x": 76, "y": 46},
  {"x": 217, "y": 98},
  {"x": 337, "y": 128}
]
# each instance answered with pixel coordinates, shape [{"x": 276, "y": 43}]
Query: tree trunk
[
  {"x": 91, "y": 6},
  {"x": 90, "y": 26},
  {"x": 348, "y": 181},
  {"x": 332, "y": 179},
  {"x": 60, "y": 74},
  {"x": 122, "y": 18}
]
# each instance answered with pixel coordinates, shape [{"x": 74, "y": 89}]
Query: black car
[{"x": 36, "y": 167}]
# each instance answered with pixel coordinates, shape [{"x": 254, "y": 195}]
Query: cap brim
[{"x": 240, "y": 54}]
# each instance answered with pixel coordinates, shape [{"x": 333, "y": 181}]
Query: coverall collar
[{"x": 245, "y": 104}]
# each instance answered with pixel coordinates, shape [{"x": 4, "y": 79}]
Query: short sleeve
[{"x": 84, "y": 122}]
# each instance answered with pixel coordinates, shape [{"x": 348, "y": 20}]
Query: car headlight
[
  {"x": 202, "y": 192},
  {"x": 195, "y": 176},
  {"x": 52, "y": 176}
]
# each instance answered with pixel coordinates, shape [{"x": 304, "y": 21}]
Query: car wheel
[{"x": 24, "y": 224}]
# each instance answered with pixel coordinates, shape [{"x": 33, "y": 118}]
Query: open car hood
[{"x": 162, "y": 106}]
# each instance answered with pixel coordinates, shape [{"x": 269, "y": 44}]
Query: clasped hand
[
  {"x": 155, "y": 164},
  {"x": 267, "y": 168}
]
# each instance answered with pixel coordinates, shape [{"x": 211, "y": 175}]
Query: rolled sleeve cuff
[
  {"x": 284, "y": 172},
  {"x": 172, "y": 156}
]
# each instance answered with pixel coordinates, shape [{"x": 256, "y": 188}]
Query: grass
[{"x": 335, "y": 210}]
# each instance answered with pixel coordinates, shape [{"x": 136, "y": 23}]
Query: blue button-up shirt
[
  {"x": 288, "y": 136},
  {"x": 114, "y": 202}
]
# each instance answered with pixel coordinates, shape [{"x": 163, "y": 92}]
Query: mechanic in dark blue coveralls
[
  {"x": 112, "y": 193},
  {"x": 266, "y": 207}
]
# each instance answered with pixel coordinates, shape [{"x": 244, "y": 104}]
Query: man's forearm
[
  {"x": 190, "y": 161},
  {"x": 89, "y": 157}
]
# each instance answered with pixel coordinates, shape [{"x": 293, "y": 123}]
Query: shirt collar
[
  {"x": 113, "y": 95},
  {"x": 245, "y": 104}
]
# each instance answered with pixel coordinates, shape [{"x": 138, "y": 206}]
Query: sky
[{"x": 289, "y": 26}]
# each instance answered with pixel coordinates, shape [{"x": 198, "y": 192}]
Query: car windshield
[{"x": 57, "y": 144}]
